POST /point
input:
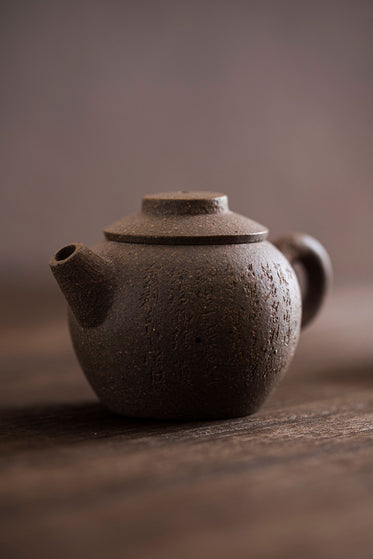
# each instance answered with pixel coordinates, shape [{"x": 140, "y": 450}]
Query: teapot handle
[{"x": 306, "y": 251}]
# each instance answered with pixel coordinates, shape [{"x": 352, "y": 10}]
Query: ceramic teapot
[{"x": 185, "y": 310}]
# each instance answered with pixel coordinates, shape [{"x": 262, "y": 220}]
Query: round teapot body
[{"x": 193, "y": 331}]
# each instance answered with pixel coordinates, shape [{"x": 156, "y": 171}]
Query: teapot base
[{"x": 205, "y": 415}]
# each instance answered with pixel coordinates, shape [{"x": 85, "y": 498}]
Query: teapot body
[{"x": 193, "y": 331}]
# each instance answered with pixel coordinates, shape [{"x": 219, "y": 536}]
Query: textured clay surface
[{"x": 193, "y": 331}]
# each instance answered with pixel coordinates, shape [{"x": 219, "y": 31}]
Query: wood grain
[{"x": 296, "y": 479}]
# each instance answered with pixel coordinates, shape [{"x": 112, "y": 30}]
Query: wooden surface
[{"x": 294, "y": 480}]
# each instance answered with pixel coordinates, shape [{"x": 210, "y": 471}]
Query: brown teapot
[{"x": 185, "y": 310}]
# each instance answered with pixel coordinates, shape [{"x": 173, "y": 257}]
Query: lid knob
[{"x": 185, "y": 202}]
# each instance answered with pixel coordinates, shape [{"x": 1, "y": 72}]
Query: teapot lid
[{"x": 188, "y": 218}]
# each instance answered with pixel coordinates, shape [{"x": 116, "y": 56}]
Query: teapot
[{"x": 186, "y": 311}]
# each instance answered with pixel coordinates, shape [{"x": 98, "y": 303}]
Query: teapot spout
[{"x": 87, "y": 281}]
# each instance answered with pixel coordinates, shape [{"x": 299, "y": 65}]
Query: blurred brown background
[{"x": 103, "y": 101}]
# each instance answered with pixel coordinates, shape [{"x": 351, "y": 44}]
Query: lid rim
[{"x": 187, "y": 240}]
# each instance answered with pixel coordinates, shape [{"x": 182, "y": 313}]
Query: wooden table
[{"x": 294, "y": 480}]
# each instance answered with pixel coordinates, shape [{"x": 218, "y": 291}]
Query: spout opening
[{"x": 65, "y": 252}]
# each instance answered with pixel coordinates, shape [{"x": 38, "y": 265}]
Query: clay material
[{"x": 185, "y": 310}]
